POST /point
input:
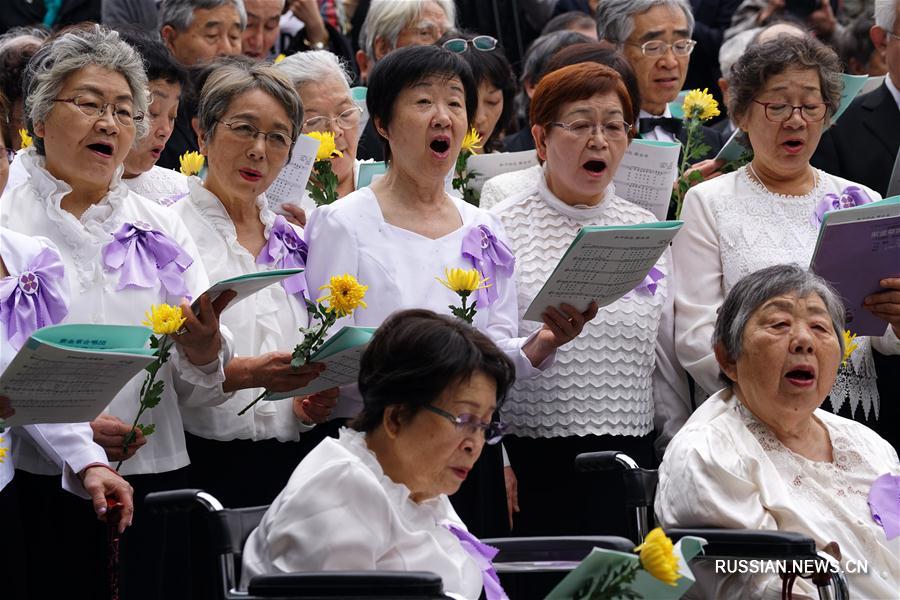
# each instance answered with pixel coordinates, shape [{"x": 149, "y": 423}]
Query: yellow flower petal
[
  {"x": 849, "y": 345},
  {"x": 191, "y": 163},
  {"x": 701, "y": 104},
  {"x": 327, "y": 147},
  {"x": 464, "y": 280},
  {"x": 471, "y": 142},
  {"x": 164, "y": 319},
  {"x": 279, "y": 58},
  {"x": 658, "y": 557},
  {"x": 345, "y": 294},
  {"x": 26, "y": 140},
  {"x": 3, "y": 450}
]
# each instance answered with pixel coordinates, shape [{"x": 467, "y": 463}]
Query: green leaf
[
  {"x": 694, "y": 177},
  {"x": 147, "y": 429}
]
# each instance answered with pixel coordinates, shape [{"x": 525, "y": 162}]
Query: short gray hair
[
  {"x": 179, "y": 14},
  {"x": 235, "y": 77},
  {"x": 886, "y": 13},
  {"x": 759, "y": 62},
  {"x": 312, "y": 66},
  {"x": 615, "y": 18},
  {"x": 72, "y": 51},
  {"x": 757, "y": 288},
  {"x": 387, "y": 18}
]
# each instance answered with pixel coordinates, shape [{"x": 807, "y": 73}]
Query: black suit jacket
[
  {"x": 862, "y": 145},
  {"x": 519, "y": 141}
]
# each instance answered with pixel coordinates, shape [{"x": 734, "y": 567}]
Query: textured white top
[
  {"x": 732, "y": 227},
  {"x": 267, "y": 321},
  {"x": 606, "y": 381},
  {"x": 163, "y": 186},
  {"x": 506, "y": 185},
  {"x": 68, "y": 445},
  {"x": 725, "y": 468},
  {"x": 33, "y": 208},
  {"x": 340, "y": 511}
]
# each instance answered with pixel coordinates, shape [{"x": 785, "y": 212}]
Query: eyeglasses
[
  {"x": 657, "y": 48},
  {"x": 485, "y": 43},
  {"x": 583, "y": 128},
  {"x": 93, "y": 106},
  {"x": 780, "y": 112},
  {"x": 277, "y": 140},
  {"x": 472, "y": 424},
  {"x": 10, "y": 154},
  {"x": 346, "y": 120}
]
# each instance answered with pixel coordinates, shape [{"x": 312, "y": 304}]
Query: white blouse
[
  {"x": 400, "y": 267},
  {"x": 725, "y": 468},
  {"x": 608, "y": 380},
  {"x": 70, "y": 446},
  {"x": 163, "y": 186},
  {"x": 268, "y": 321},
  {"x": 340, "y": 511},
  {"x": 733, "y": 227},
  {"x": 34, "y": 208},
  {"x": 506, "y": 185}
]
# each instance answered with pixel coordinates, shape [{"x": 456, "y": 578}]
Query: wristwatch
[{"x": 314, "y": 45}]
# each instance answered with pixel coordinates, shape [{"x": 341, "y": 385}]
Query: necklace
[{"x": 765, "y": 187}]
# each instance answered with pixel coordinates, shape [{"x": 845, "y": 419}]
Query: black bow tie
[{"x": 670, "y": 124}]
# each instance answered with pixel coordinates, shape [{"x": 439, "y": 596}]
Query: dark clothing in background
[
  {"x": 712, "y": 18},
  {"x": 19, "y": 13},
  {"x": 139, "y": 14}
]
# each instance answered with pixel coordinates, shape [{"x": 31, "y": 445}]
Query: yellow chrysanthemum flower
[
  {"x": 471, "y": 142},
  {"x": 849, "y": 345},
  {"x": 701, "y": 104},
  {"x": 279, "y": 58},
  {"x": 327, "y": 148},
  {"x": 191, "y": 163},
  {"x": 164, "y": 319},
  {"x": 658, "y": 557},
  {"x": 464, "y": 281},
  {"x": 345, "y": 294},
  {"x": 3, "y": 450},
  {"x": 26, "y": 139}
]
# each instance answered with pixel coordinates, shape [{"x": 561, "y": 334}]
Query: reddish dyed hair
[{"x": 577, "y": 82}]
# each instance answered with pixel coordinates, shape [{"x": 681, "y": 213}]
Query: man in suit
[
  {"x": 655, "y": 38},
  {"x": 862, "y": 145}
]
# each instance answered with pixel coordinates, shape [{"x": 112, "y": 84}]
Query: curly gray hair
[
  {"x": 59, "y": 58},
  {"x": 759, "y": 62}
]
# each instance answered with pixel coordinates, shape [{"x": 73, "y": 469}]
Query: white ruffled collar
[
  {"x": 579, "y": 212},
  {"x": 213, "y": 211}
]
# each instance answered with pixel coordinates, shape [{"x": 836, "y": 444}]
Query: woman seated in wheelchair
[
  {"x": 376, "y": 497},
  {"x": 761, "y": 454}
]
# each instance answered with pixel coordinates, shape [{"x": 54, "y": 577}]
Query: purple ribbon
[
  {"x": 287, "y": 250},
  {"x": 488, "y": 254},
  {"x": 651, "y": 282},
  {"x": 483, "y": 554},
  {"x": 850, "y": 197},
  {"x": 170, "y": 200},
  {"x": 884, "y": 502},
  {"x": 34, "y": 298},
  {"x": 144, "y": 256}
]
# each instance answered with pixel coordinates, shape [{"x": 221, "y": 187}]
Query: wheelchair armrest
[
  {"x": 554, "y": 549},
  {"x": 606, "y": 460},
  {"x": 180, "y": 501},
  {"x": 750, "y": 543},
  {"x": 348, "y": 584}
]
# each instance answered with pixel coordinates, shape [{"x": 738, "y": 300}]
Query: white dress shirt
[
  {"x": 163, "y": 186},
  {"x": 725, "y": 468},
  {"x": 657, "y": 133},
  {"x": 70, "y": 446},
  {"x": 268, "y": 321},
  {"x": 34, "y": 208},
  {"x": 339, "y": 511}
]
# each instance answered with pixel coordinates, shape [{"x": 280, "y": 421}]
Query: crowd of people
[{"x": 731, "y": 374}]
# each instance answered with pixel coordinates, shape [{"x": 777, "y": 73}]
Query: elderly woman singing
[
  {"x": 86, "y": 98},
  {"x": 760, "y": 454}
]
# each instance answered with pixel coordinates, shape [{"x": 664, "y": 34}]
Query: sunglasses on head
[{"x": 485, "y": 43}]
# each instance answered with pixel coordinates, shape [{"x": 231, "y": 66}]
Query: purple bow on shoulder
[
  {"x": 143, "y": 256},
  {"x": 884, "y": 503},
  {"x": 287, "y": 250},
  {"x": 34, "y": 298},
  {"x": 850, "y": 197},
  {"x": 483, "y": 554},
  {"x": 489, "y": 255},
  {"x": 651, "y": 282}
]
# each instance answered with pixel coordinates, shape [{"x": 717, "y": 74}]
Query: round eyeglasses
[
  {"x": 780, "y": 112},
  {"x": 471, "y": 424},
  {"x": 348, "y": 119},
  {"x": 657, "y": 48},
  {"x": 485, "y": 43},
  {"x": 583, "y": 128},
  {"x": 277, "y": 140},
  {"x": 93, "y": 106}
]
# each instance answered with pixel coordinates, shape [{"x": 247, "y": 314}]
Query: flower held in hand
[{"x": 658, "y": 557}]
